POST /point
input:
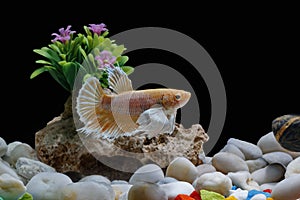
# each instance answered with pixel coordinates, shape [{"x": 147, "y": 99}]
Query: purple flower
[
  {"x": 105, "y": 59},
  {"x": 64, "y": 35},
  {"x": 97, "y": 28}
]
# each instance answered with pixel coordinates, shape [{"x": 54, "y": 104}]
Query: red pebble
[
  {"x": 268, "y": 191},
  {"x": 195, "y": 195},
  {"x": 183, "y": 197}
]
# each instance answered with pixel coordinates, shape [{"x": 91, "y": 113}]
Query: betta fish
[{"x": 125, "y": 111}]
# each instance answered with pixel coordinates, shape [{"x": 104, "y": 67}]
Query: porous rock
[{"x": 59, "y": 145}]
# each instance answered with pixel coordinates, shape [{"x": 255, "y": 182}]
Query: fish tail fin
[{"x": 89, "y": 105}]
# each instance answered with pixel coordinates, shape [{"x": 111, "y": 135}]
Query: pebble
[
  {"x": 231, "y": 148},
  {"x": 146, "y": 191},
  {"x": 214, "y": 181},
  {"x": 288, "y": 188},
  {"x": 10, "y": 187},
  {"x": 27, "y": 168},
  {"x": 182, "y": 169},
  {"x": 268, "y": 174},
  {"x": 243, "y": 180},
  {"x": 228, "y": 162},
  {"x": 3, "y": 147},
  {"x": 88, "y": 190},
  {"x": 238, "y": 172},
  {"x": 175, "y": 188},
  {"x": 278, "y": 157},
  {"x": 250, "y": 151},
  {"x": 150, "y": 173},
  {"x": 95, "y": 178},
  {"x": 47, "y": 185},
  {"x": 293, "y": 168}
]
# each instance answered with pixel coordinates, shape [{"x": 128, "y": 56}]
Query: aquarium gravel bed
[{"x": 241, "y": 170}]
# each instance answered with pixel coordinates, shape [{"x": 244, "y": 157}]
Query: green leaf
[
  {"x": 127, "y": 69},
  {"x": 60, "y": 78},
  {"x": 122, "y": 60},
  {"x": 43, "y": 62},
  {"x": 55, "y": 48},
  {"x": 70, "y": 71},
  {"x": 40, "y": 70},
  {"x": 118, "y": 50},
  {"x": 26, "y": 196}
]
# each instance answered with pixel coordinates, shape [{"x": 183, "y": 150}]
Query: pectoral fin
[{"x": 154, "y": 121}]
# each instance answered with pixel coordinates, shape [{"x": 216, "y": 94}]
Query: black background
[{"x": 255, "y": 47}]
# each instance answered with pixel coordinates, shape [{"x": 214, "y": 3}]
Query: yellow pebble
[
  {"x": 231, "y": 198},
  {"x": 269, "y": 198}
]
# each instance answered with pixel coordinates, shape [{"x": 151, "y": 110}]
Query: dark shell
[{"x": 286, "y": 129}]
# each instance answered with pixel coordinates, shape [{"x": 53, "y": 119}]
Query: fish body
[{"x": 126, "y": 111}]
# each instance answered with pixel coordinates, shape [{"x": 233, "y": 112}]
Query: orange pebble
[{"x": 183, "y": 197}]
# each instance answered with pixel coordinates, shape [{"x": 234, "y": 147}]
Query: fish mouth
[{"x": 185, "y": 98}]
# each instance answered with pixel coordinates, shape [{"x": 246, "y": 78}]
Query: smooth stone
[
  {"x": 268, "y": 174},
  {"x": 278, "y": 157},
  {"x": 150, "y": 173},
  {"x": 266, "y": 186},
  {"x": 228, "y": 162},
  {"x": 293, "y": 168},
  {"x": 243, "y": 180},
  {"x": 239, "y": 194},
  {"x": 117, "y": 182},
  {"x": 47, "y": 185},
  {"x": 268, "y": 143},
  {"x": 27, "y": 168},
  {"x": 146, "y": 191},
  {"x": 231, "y": 148},
  {"x": 250, "y": 151},
  {"x": 22, "y": 150},
  {"x": 288, "y": 188},
  {"x": 213, "y": 181},
  {"x": 259, "y": 197},
  {"x": 205, "y": 168},
  {"x": 10, "y": 187},
  {"x": 10, "y": 147},
  {"x": 120, "y": 189},
  {"x": 95, "y": 178},
  {"x": 256, "y": 164},
  {"x": 87, "y": 191},
  {"x": 175, "y": 188},
  {"x": 182, "y": 169},
  {"x": 3, "y": 147},
  {"x": 4, "y": 168},
  {"x": 166, "y": 180}
]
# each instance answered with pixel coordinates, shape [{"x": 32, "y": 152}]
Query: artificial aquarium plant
[{"x": 91, "y": 52}]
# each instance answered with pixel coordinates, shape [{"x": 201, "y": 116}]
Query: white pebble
[
  {"x": 120, "y": 189},
  {"x": 10, "y": 187},
  {"x": 228, "y": 162},
  {"x": 288, "y": 188},
  {"x": 95, "y": 178},
  {"x": 3, "y": 147},
  {"x": 259, "y": 197},
  {"x": 47, "y": 185},
  {"x": 243, "y": 180},
  {"x": 250, "y": 151},
  {"x": 213, "y": 181},
  {"x": 182, "y": 169},
  {"x": 150, "y": 173},
  {"x": 269, "y": 174},
  {"x": 146, "y": 191},
  {"x": 87, "y": 191},
  {"x": 239, "y": 194},
  {"x": 175, "y": 188},
  {"x": 293, "y": 168}
]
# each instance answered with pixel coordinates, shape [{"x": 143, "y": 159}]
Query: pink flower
[
  {"x": 97, "y": 28},
  {"x": 105, "y": 59},
  {"x": 64, "y": 35}
]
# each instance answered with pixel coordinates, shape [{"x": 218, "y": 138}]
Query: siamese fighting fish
[{"x": 125, "y": 111}]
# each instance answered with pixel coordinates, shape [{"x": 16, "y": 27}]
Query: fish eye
[{"x": 177, "y": 96}]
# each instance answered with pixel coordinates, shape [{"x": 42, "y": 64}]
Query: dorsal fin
[{"x": 118, "y": 80}]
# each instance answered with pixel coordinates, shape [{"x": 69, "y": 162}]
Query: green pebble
[{"x": 209, "y": 195}]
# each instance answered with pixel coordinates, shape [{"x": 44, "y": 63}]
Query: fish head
[{"x": 174, "y": 98}]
